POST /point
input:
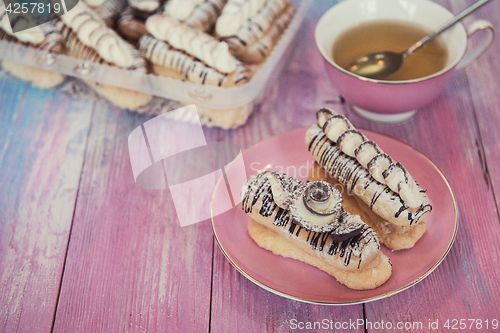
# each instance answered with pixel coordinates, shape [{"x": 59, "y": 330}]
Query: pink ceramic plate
[{"x": 296, "y": 280}]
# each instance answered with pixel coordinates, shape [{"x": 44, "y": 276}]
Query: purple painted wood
[
  {"x": 41, "y": 155},
  {"x": 130, "y": 266},
  {"x": 483, "y": 83}
]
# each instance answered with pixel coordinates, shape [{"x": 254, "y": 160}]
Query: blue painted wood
[
  {"x": 42, "y": 140},
  {"x": 130, "y": 266}
]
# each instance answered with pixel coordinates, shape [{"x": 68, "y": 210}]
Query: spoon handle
[{"x": 444, "y": 27}]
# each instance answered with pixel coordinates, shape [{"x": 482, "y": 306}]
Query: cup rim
[{"x": 388, "y": 82}]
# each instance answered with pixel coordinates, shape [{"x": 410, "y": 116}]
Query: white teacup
[{"x": 393, "y": 101}]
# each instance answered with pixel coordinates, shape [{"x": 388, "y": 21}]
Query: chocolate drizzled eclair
[
  {"x": 178, "y": 50},
  {"x": 110, "y": 10},
  {"x": 46, "y": 37},
  {"x": 198, "y": 14},
  {"x": 307, "y": 222},
  {"x": 384, "y": 189},
  {"x": 241, "y": 28},
  {"x": 87, "y": 37},
  {"x": 262, "y": 48}
]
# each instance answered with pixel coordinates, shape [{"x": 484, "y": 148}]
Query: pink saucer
[{"x": 296, "y": 280}]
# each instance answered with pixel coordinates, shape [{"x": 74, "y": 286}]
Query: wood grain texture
[
  {"x": 483, "y": 77},
  {"x": 130, "y": 266},
  {"x": 41, "y": 154}
]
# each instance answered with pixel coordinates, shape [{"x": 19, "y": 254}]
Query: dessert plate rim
[{"x": 246, "y": 267}]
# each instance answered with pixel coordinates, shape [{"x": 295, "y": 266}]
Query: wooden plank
[
  {"x": 483, "y": 82},
  {"x": 43, "y": 136},
  {"x": 130, "y": 266}
]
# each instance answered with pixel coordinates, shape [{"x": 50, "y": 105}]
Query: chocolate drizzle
[
  {"x": 191, "y": 68},
  {"x": 53, "y": 37}
]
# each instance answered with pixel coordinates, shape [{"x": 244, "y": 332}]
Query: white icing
[
  {"x": 320, "y": 206},
  {"x": 33, "y": 35},
  {"x": 394, "y": 178},
  {"x": 350, "y": 142},
  {"x": 411, "y": 198},
  {"x": 181, "y": 9},
  {"x": 378, "y": 166},
  {"x": 312, "y": 193},
  {"x": 410, "y": 193},
  {"x": 234, "y": 14},
  {"x": 147, "y": 6},
  {"x": 366, "y": 153},
  {"x": 335, "y": 127},
  {"x": 94, "y": 33},
  {"x": 199, "y": 44},
  {"x": 371, "y": 157},
  {"x": 323, "y": 116},
  {"x": 159, "y": 26},
  {"x": 94, "y": 3}
]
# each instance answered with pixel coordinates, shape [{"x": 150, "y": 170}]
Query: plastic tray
[{"x": 212, "y": 97}]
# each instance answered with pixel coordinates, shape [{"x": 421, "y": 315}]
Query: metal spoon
[{"x": 380, "y": 65}]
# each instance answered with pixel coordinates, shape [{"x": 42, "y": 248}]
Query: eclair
[
  {"x": 198, "y": 14},
  {"x": 46, "y": 37},
  {"x": 87, "y": 37},
  {"x": 179, "y": 51},
  {"x": 307, "y": 222},
  {"x": 245, "y": 22},
  {"x": 262, "y": 48},
  {"x": 395, "y": 206},
  {"x": 110, "y": 10}
]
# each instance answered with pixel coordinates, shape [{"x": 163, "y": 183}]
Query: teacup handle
[{"x": 474, "y": 53}]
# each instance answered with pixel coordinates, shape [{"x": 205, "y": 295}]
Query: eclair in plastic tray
[{"x": 218, "y": 106}]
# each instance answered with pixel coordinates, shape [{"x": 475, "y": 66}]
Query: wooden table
[{"x": 83, "y": 249}]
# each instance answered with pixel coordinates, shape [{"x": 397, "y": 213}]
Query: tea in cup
[{"x": 355, "y": 28}]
